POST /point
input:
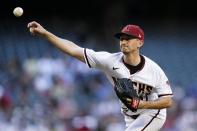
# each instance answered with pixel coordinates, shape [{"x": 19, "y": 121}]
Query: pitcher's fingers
[
  {"x": 129, "y": 100},
  {"x": 31, "y": 24}
]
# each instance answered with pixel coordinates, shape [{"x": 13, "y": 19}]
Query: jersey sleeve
[
  {"x": 163, "y": 87},
  {"x": 95, "y": 59}
]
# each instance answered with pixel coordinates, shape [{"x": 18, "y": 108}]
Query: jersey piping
[
  {"x": 86, "y": 58},
  {"x": 151, "y": 120}
]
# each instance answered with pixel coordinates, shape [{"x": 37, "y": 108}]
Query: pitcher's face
[{"x": 129, "y": 44}]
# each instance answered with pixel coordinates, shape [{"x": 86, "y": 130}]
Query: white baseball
[{"x": 18, "y": 11}]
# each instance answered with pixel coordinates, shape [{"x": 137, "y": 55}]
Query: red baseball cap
[{"x": 131, "y": 30}]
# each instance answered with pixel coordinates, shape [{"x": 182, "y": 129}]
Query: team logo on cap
[
  {"x": 127, "y": 29},
  {"x": 139, "y": 36}
]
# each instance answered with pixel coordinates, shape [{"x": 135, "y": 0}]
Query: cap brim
[{"x": 118, "y": 35}]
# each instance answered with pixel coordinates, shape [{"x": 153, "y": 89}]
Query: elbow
[{"x": 169, "y": 103}]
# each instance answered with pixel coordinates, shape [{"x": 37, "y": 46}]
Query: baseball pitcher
[{"x": 140, "y": 84}]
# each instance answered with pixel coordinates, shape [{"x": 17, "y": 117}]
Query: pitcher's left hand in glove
[{"x": 126, "y": 93}]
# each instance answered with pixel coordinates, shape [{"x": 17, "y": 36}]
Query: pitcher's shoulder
[{"x": 151, "y": 62}]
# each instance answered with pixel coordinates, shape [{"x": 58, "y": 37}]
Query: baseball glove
[{"x": 126, "y": 93}]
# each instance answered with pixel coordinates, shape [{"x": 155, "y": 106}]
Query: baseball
[{"x": 18, "y": 11}]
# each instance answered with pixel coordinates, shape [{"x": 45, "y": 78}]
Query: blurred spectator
[{"x": 5, "y": 102}]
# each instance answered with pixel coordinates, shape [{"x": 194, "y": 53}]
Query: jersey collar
[{"x": 134, "y": 69}]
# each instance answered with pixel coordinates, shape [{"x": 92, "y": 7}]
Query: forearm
[
  {"x": 157, "y": 104},
  {"x": 66, "y": 46}
]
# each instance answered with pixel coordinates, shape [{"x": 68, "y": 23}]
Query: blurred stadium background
[{"x": 42, "y": 89}]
